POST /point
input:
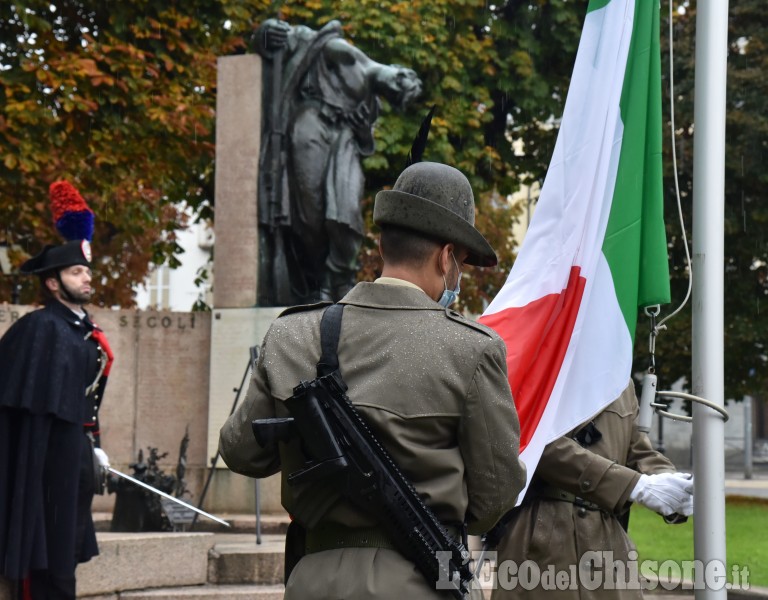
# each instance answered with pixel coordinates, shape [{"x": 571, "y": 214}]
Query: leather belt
[
  {"x": 332, "y": 536},
  {"x": 553, "y": 493}
]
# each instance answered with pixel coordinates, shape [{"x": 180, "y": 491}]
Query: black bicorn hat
[{"x": 75, "y": 252}]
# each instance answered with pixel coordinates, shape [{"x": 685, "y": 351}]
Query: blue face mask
[{"x": 449, "y": 296}]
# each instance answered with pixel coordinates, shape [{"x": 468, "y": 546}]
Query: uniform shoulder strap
[{"x": 330, "y": 328}]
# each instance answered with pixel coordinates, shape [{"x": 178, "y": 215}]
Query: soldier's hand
[
  {"x": 102, "y": 457},
  {"x": 665, "y": 493}
]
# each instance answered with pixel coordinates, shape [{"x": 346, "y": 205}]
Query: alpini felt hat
[{"x": 436, "y": 200}]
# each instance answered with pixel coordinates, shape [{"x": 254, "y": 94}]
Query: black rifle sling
[
  {"x": 330, "y": 328},
  {"x": 402, "y": 496}
]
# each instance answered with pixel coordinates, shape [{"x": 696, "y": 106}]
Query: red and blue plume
[{"x": 71, "y": 215}]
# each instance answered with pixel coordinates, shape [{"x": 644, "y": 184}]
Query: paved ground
[{"x": 757, "y": 487}]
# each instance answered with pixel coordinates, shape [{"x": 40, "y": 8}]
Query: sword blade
[{"x": 164, "y": 495}]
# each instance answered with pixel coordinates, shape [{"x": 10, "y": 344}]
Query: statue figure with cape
[{"x": 320, "y": 102}]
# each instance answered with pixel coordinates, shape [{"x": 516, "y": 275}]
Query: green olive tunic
[
  {"x": 432, "y": 386},
  {"x": 556, "y": 534}
]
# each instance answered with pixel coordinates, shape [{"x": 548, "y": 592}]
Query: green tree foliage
[
  {"x": 119, "y": 98},
  {"x": 746, "y": 212}
]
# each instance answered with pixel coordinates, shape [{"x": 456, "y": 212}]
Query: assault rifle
[{"x": 341, "y": 447}]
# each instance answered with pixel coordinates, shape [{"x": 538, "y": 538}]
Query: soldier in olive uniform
[
  {"x": 431, "y": 384},
  {"x": 571, "y": 518}
]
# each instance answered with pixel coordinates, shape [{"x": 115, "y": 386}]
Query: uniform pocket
[
  {"x": 621, "y": 412},
  {"x": 542, "y": 523}
]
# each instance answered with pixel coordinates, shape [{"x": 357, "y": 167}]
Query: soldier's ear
[
  {"x": 52, "y": 284},
  {"x": 444, "y": 259}
]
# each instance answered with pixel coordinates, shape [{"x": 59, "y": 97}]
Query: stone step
[
  {"x": 208, "y": 592},
  {"x": 181, "y": 565},
  {"x": 135, "y": 561},
  {"x": 271, "y": 523},
  {"x": 237, "y": 559}
]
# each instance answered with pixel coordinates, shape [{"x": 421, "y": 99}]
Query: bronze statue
[{"x": 320, "y": 102}]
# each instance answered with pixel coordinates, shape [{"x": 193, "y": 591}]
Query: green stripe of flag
[
  {"x": 635, "y": 243},
  {"x": 597, "y": 5}
]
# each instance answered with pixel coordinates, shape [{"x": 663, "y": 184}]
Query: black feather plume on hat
[{"x": 420, "y": 142}]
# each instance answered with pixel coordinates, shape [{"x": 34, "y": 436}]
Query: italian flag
[{"x": 596, "y": 249}]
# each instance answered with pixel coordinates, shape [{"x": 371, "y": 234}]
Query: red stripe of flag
[{"x": 537, "y": 337}]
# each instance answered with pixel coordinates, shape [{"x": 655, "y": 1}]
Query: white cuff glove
[
  {"x": 665, "y": 493},
  {"x": 102, "y": 457}
]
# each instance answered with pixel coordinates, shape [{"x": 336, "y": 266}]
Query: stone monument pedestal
[
  {"x": 236, "y": 324},
  {"x": 233, "y": 332}
]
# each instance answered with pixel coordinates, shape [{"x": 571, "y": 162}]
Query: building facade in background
[{"x": 188, "y": 286}]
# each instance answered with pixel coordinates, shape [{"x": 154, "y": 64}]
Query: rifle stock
[{"x": 270, "y": 431}]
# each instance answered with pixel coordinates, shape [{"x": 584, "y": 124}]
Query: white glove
[
  {"x": 665, "y": 493},
  {"x": 102, "y": 457}
]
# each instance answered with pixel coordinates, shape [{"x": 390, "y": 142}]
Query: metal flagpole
[{"x": 708, "y": 290}]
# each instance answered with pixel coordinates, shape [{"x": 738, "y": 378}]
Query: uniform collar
[
  {"x": 397, "y": 281},
  {"x": 66, "y": 313},
  {"x": 375, "y": 295}
]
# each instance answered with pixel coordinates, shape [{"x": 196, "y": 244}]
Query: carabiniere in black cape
[{"x": 48, "y": 359}]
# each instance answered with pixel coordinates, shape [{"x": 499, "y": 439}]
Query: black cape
[{"x": 46, "y": 463}]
